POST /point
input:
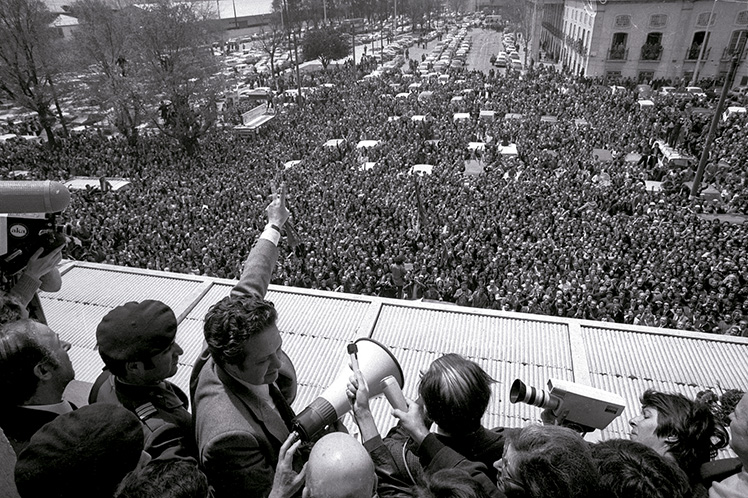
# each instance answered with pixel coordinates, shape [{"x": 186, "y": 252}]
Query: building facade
[{"x": 642, "y": 40}]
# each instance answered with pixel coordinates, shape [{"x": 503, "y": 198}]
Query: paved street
[{"x": 484, "y": 44}]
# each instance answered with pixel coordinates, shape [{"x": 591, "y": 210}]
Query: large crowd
[{"x": 554, "y": 230}]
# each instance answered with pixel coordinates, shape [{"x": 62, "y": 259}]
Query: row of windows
[
  {"x": 652, "y": 48},
  {"x": 660, "y": 20}
]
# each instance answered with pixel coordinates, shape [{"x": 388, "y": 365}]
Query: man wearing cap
[
  {"x": 242, "y": 384},
  {"x": 137, "y": 343}
]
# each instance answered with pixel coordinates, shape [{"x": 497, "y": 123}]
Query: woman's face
[
  {"x": 643, "y": 428},
  {"x": 508, "y": 481}
]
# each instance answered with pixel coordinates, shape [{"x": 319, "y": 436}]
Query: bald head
[{"x": 339, "y": 467}]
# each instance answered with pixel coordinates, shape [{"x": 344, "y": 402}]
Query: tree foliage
[
  {"x": 325, "y": 45},
  {"x": 27, "y": 58},
  {"x": 106, "y": 44},
  {"x": 151, "y": 63}
]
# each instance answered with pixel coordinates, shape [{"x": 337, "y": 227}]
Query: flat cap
[{"x": 135, "y": 331}]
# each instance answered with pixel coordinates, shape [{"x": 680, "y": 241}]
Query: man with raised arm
[{"x": 242, "y": 384}]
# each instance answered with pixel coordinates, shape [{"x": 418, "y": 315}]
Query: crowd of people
[
  {"x": 236, "y": 433},
  {"x": 556, "y": 229},
  {"x": 553, "y": 231}
]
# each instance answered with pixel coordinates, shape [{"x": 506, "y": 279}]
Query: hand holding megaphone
[
  {"x": 413, "y": 421},
  {"x": 374, "y": 362}
]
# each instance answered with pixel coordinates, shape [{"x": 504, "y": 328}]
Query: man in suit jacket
[
  {"x": 242, "y": 414},
  {"x": 34, "y": 370}
]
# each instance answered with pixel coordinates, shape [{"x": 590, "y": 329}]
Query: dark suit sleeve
[
  {"x": 258, "y": 269},
  {"x": 236, "y": 466}
]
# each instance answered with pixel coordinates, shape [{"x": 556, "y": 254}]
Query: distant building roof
[
  {"x": 64, "y": 20},
  {"x": 244, "y": 8}
]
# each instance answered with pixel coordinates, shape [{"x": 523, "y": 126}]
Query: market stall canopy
[
  {"x": 476, "y": 146},
  {"x": 508, "y": 150},
  {"x": 291, "y": 164},
  {"x": 366, "y": 144},
  {"x": 548, "y": 119},
  {"x": 512, "y": 115},
  {"x": 334, "y": 142},
  {"x": 461, "y": 115},
  {"x": 426, "y": 94},
  {"x": 645, "y": 103},
  {"x": 418, "y": 117},
  {"x": 488, "y": 115}
]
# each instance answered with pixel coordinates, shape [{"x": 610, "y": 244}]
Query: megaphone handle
[{"x": 394, "y": 394}]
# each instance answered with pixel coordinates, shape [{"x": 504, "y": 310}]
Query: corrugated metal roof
[{"x": 316, "y": 326}]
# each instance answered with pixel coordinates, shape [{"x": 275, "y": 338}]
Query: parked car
[{"x": 696, "y": 91}]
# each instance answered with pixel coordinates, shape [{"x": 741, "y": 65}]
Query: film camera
[
  {"x": 27, "y": 221},
  {"x": 581, "y": 407}
]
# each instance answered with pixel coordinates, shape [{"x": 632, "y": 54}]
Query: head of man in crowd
[
  {"x": 244, "y": 340},
  {"x": 631, "y": 470},
  {"x": 86, "y": 452},
  {"x": 339, "y": 467},
  {"x": 137, "y": 342},
  {"x": 34, "y": 364},
  {"x": 172, "y": 478},
  {"x": 547, "y": 461},
  {"x": 455, "y": 393}
]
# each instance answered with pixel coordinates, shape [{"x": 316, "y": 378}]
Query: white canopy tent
[
  {"x": 422, "y": 169},
  {"x": 367, "y": 144},
  {"x": 458, "y": 116},
  {"x": 334, "y": 142},
  {"x": 508, "y": 150}
]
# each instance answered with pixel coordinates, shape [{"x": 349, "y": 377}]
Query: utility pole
[
  {"x": 696, "y": 187},
  {"x": 702, "y": 52}
]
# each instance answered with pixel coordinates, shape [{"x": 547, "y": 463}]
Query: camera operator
[{"x": 40, "y": 273}]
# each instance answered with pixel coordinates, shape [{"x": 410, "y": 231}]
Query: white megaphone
[{"x": 376, "y": 363}]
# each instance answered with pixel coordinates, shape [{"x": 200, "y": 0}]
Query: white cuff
[{"x": 271, "y": 234}]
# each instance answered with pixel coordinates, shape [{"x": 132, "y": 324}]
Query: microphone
[{"x": 33, "y": 197}]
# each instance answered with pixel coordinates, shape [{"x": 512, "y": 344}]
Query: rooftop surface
[{"x": 317, "y": 325}]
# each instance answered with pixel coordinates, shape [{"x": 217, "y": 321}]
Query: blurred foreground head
[
  {"x": 631, "y": 470},
  {"x": 339, "y": 467},
  {"x": 86, "y": 452}
]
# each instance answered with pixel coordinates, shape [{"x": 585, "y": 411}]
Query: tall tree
[
  {"x": 27, "y": 62},
  {"x": 178, "y": 61},
  {"x": 106, "y": 43},
  {"x": 271, "y": 42},
  {"x": 325, "y": 45}
]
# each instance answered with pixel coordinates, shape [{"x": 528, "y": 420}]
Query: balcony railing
[
  {"x": 651, "y": 52},
  {"x": 618, "y": 54}
]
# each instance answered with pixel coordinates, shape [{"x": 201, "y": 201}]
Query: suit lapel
[{"x": 270, "y": 419}]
